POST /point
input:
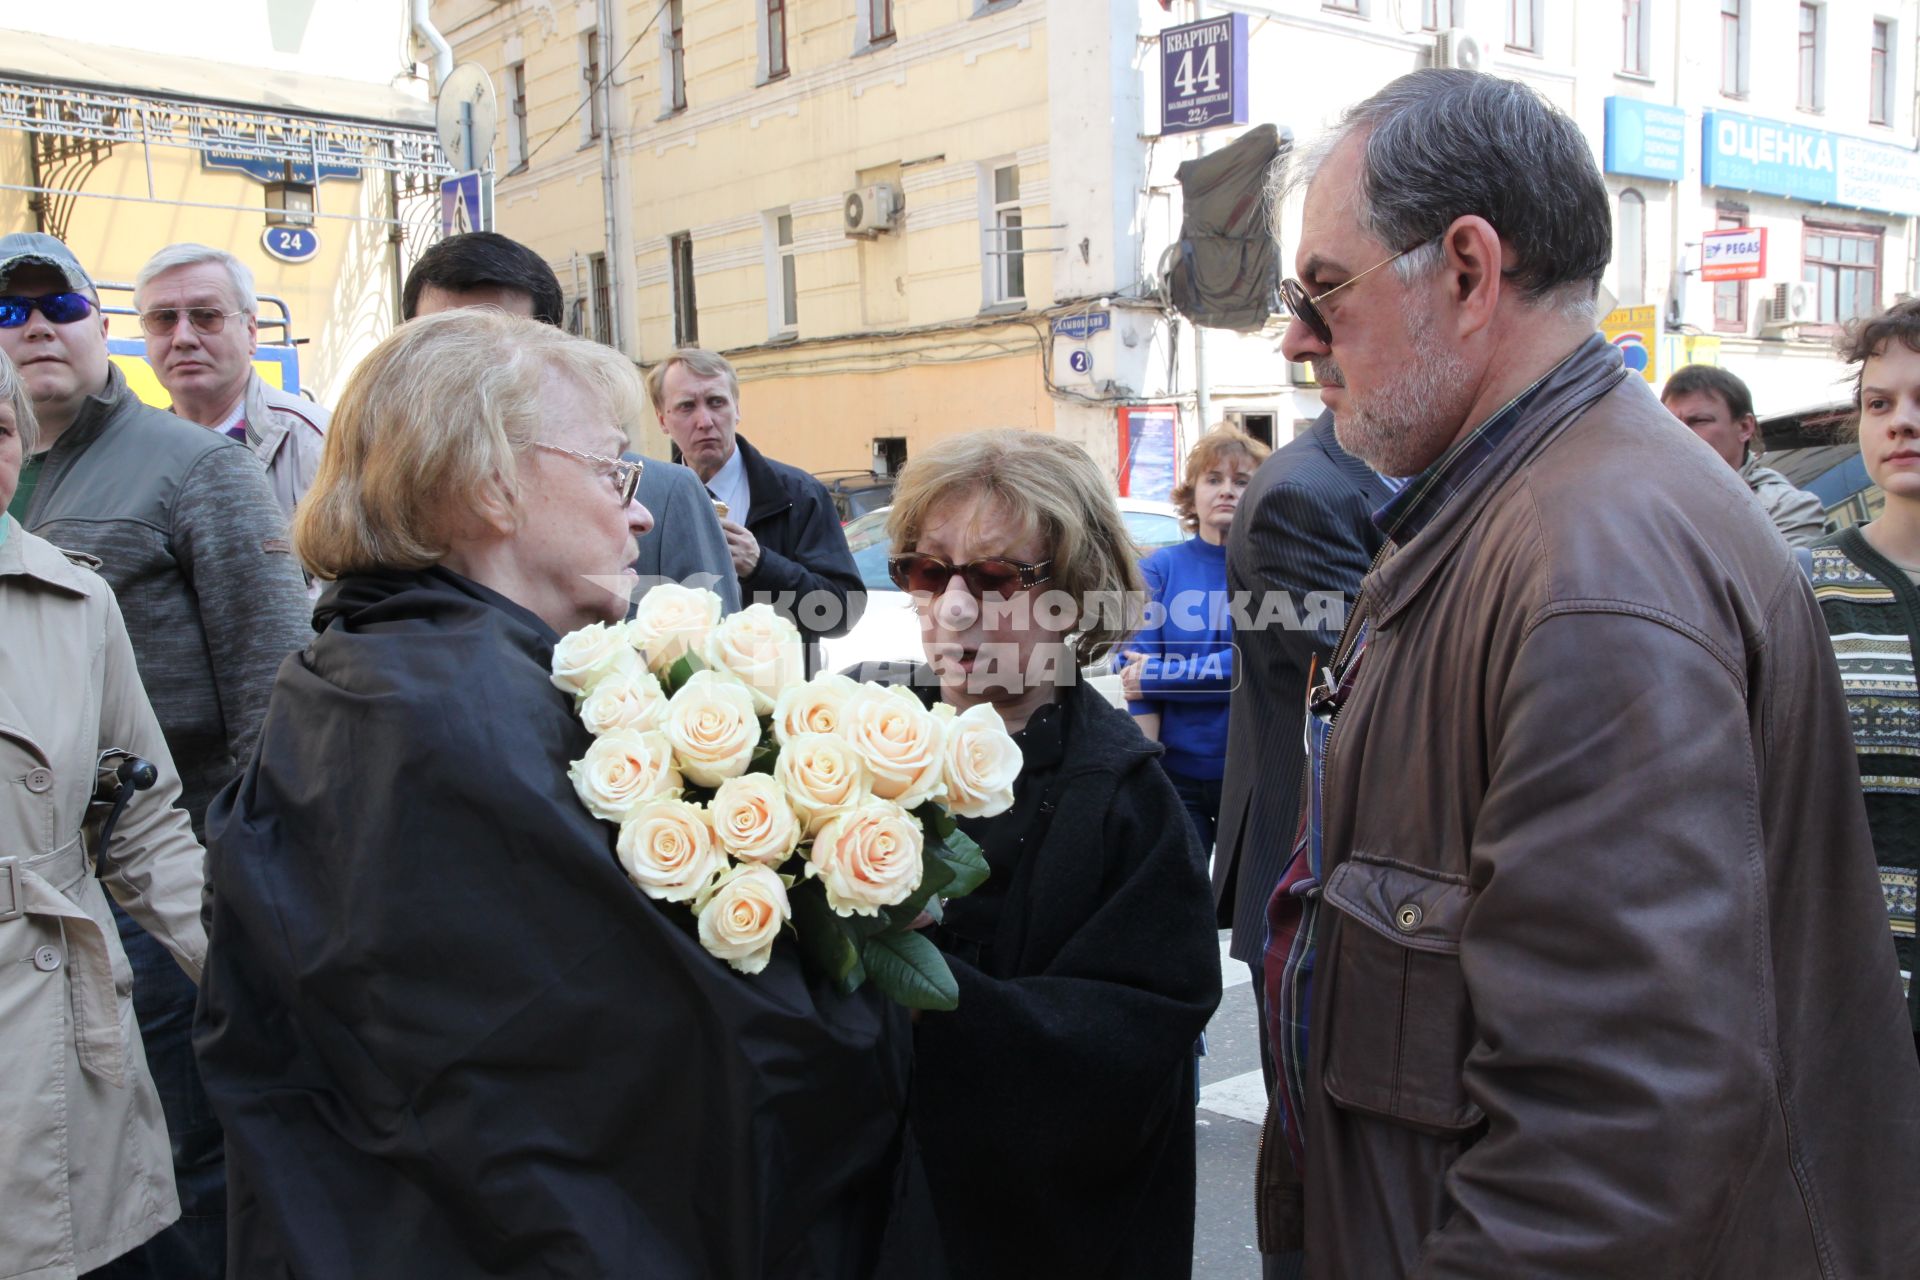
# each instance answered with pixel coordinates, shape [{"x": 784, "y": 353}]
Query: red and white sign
[{"x": 1736, "y": 254}]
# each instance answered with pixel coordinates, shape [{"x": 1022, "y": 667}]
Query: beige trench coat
[{"x": 85, "y": 1169}]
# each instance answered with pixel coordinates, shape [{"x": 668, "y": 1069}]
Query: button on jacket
[
  {"x": 1604, "y": 984},
  {"x": 85, "y": 1171}
]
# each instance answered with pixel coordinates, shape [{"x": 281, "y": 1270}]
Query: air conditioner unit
[
  {"x": 1785, "y": 304},
  {"x": 1455, "y": 47},
  {"x": 867, "y": 211}
]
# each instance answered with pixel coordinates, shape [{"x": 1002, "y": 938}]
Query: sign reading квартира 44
[{"x": 1743, "y": 153}]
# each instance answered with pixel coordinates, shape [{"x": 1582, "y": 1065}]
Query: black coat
[
  {"x": 1055, "y": 1106},
  {"x": 805, "y": 570},
  {"x": 448, "y": 1038}
]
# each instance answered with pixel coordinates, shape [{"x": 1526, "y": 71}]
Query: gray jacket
[
  {"x": 685, "y": 544},
  {"x": 286, "y": 432},
  {"x": 1796, "y": 513},
  {"x": 195, "y": 548}
]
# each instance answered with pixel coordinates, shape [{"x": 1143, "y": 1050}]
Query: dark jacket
[
  {"x": 191, "y": 540},
  {"x": 448, "y": 1038},
  {"x": 1603, "y": 985},
  {"x": 1055, "y": 1106},
  {"x": 686, "y": 544},
  {"x": 805, "y": 571},
  {"x": 1299, "y": 546}
]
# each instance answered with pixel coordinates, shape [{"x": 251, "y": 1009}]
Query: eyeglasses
[
  {"x": 59, "y": 308},
  {"x": 1304, "y": 305},
  {"x": 996, "y": 575},
  {"x": 625, "y": 472},
  {"x": 162, "y": 321}
]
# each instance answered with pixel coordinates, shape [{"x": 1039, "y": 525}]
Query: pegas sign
[
  {"x": 1738, "y": 253},
  {"x": 1774, "y": 157}
]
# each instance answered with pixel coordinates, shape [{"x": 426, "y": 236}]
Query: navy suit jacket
[{"x": 1304, "y": 526}]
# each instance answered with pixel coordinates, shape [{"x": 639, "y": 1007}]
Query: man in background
[{"x": 1718, "y": 408}]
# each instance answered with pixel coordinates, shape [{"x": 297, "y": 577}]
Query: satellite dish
[{"x": 467, "y": 115}]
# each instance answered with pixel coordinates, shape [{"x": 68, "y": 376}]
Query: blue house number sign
[{"x": 291, "y": 244}]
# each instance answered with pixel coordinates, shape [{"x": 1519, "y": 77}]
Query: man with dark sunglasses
[{"x": 195, "y": 547}]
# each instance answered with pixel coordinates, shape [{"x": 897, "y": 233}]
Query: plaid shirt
[{"x": 1293, "y": 911}]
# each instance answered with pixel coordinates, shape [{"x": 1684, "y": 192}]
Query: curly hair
[
  {"x": 1864, "y": 339},
  {"x": 1217, "y": 447}
]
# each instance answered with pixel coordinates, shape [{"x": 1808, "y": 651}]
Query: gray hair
[
  {"x": 192, "y": 255},
  {"x": 13, "y": 390},
  {"x": 1443, "y": 144}
]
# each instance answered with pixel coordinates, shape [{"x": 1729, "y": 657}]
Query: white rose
[
  {"x": 982, "y": 760},
  {"x": 753, "y": 821},
  {"x": 742, "y": 915},
  {"x": 583, "y": 658},
  {"x": 631, "y": 700},
  {"x": 672, "y": 620},
  {"x": 668, "y": 850},
  {"x": 899, "y": 739},
  {"x": 712, "y": 727},
  {"x": 822, "y": 775},
  {"x": 868, "y": 857},
  {"x": 623, "y": 770},
  {"x": 814, "y": 707},
  {"x": 762, "y": 649}
]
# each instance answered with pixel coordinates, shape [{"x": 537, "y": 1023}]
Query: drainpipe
[
  {"x": 442, "y": 58},
  {"x": 609, "y": 186},
  {"x": 1202, "y": 401}
]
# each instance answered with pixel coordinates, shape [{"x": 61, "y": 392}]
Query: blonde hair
[
  {"x": 1212, "y": 450},
  {"x": 1042, "y": 485},
  {"x": 14, "y": 390},
  {"x": 702, "y": 363},
  {"x": 432, "y": 425}
]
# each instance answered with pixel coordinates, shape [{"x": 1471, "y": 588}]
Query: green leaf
[
  {"x": 968, "y": 864},
  {"x": 682, "y": 671},
  {"x": 911, "y": 971},
  {"x": 764, "y": 757},
  {"x": 935, "y": 875},
  {"x": 825, "y": 941},
  {"x": 935, "y": 821}
]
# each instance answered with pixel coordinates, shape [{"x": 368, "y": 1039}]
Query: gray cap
[{"x": 37, "y": 248}]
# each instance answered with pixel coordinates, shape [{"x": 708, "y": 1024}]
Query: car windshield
[
  {"x": 1152, "y": 530},
  {"x": 867, "y": 539}
]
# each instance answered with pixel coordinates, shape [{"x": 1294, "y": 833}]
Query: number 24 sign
[
  {"x": 291, "y": 244},
  {"x": 1203, "y": 74}
]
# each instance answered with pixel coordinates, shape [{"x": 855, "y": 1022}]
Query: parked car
[
  {"x": 1815, "y": 451},
  {"x": 857, "y": 493},
  {"x": 889, "y": 630}
]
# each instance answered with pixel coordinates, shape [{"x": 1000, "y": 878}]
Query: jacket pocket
[{"x": 1400, "y": 1023}]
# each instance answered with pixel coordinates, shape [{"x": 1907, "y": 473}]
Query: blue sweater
[{"x": 1189, "y": 646}]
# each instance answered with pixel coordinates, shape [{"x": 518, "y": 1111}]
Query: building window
[
  {"x": 1439, "y": 15},
  {"x": 686, "y": 327},
  {"x": 1345, "y": 6},
  {"x": 1730, "y": 296},
  {"x": 879, "y": 20},
  {"x": 1733, "y": 48},
  {"x": 1842, "y": 266},
  {"x": 783, "y": 288},
  {"x": 674, "y": 51},
  {"x": 1880, "y": 75},
  {"x": 602, "y": 299},
  {"x": 776, "y": 29},
  {"x": 1635, "y": 53},
  {"x": 1812, "y": 53},
  {"x": 1006, "y": 240},
  {"x": 517, "y": 115},
  {"x": 590, "y": 76},
  {"x": 1523, "y": 25},
  {"x": 1630, "y": 249}
]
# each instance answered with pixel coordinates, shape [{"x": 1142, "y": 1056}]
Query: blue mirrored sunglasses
[{"x": 60, "y": 308}]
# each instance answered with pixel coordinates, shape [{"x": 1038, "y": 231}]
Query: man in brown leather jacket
[{"x": 1582, "y": 968}]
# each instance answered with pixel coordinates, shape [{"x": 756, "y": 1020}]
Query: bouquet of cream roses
[{"x": 761, "y": 800}]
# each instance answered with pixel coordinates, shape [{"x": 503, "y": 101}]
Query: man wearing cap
[
  {"x": 195, "y": 548},
  {"x": 197, "y": 310}
]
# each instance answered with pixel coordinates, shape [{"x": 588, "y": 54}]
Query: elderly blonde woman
[
  {"x": 1055, "y": 1106},
  {"x": 444, "y": 1033},
  {"x": 85, "y": 1171}
]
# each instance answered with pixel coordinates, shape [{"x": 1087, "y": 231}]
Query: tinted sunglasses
[
  {"x": 1302, "y": 304},
  {"x": 162, "y": 321},
  {"x": 60, "y": 308},
  {"x": 995, "y": 575}
]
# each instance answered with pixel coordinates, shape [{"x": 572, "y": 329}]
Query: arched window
[{"x": 1630, "y": 249}]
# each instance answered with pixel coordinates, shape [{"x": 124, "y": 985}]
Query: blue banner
[
  {"x": 1742, "y": 153},
  {"x": 1645, "y": 139},
  {"x": 1203, "y": 74}
]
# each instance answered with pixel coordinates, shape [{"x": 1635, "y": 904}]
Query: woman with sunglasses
[
  {"x": 445, "y": 1035},
  {"x": 1054, "y": 1106}
]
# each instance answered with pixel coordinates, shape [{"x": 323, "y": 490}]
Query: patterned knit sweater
[{"x": 1872, "y": 610}]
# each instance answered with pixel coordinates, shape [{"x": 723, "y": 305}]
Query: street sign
[
  {"x": 1082, "y": 324},
  {"x": 463, "y": 204},
  {"x": 290, "y": 244},
  {"x": 1081, "y": 361},
  {"x": 467, "y": 114},
  {"x": 1739, "y": 253},
  {"x": 1633, "y": 330},
  {"x": 1203, "y": 74}
]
